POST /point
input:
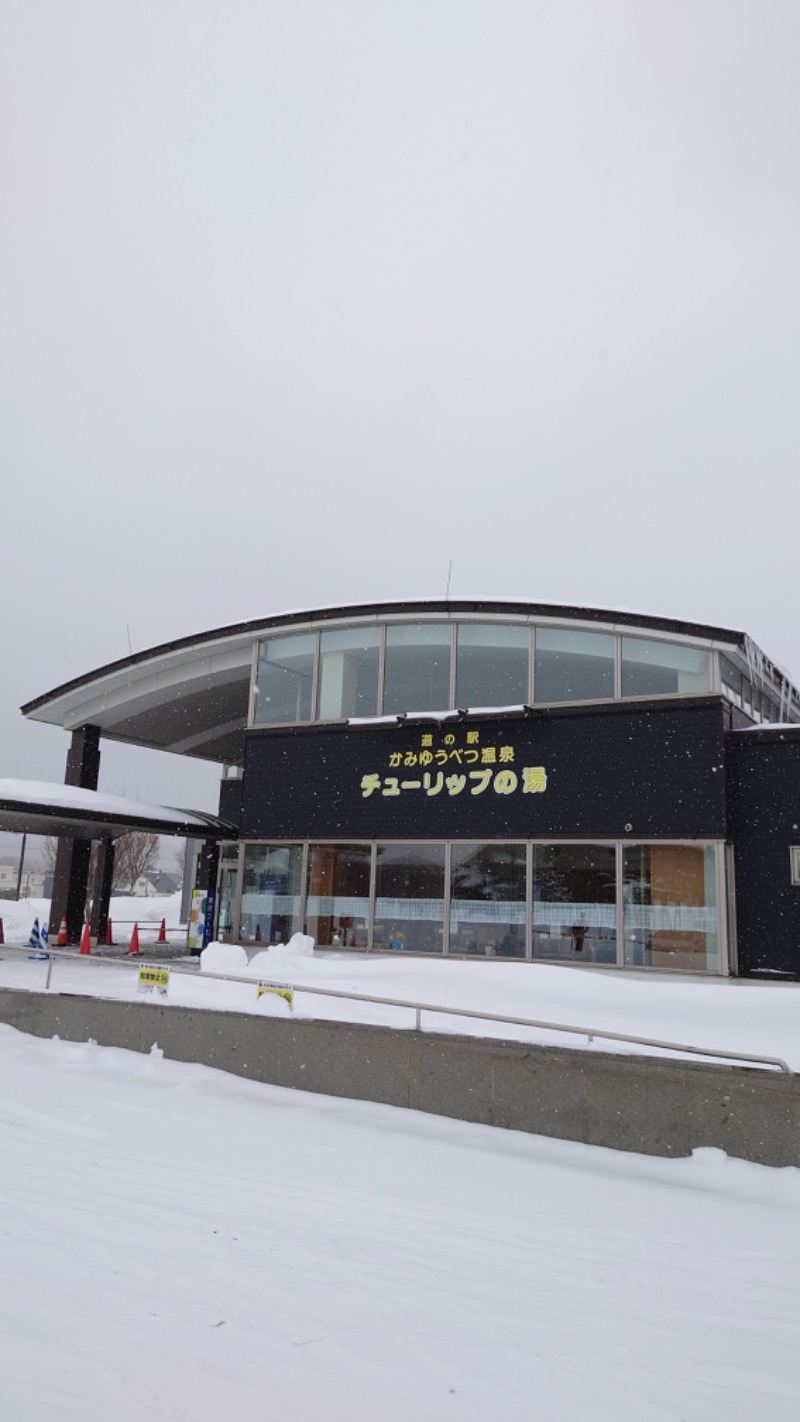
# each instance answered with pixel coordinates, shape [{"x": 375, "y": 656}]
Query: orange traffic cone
[
  {"x": 61, "y": 941},
  {"x": 134, "y": 948},
  {"x": 109, "y": 934},
  {"x": 86, "y": 939},
  {"x": 162, "y": 932},
  {"x": 2, "y": 935}
]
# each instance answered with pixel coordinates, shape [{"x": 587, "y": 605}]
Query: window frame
[
  {"x": 714, "y": 651},
  {"x": 724, "y": 888}
]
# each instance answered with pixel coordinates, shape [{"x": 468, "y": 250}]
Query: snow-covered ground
[
  {"x": 726, "y": 1014},
  {"x": 179, "y": 1245},
  {"x": 18, "y": 917}
]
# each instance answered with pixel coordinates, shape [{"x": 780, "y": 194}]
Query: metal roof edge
[{"x": 450, "y": 607}]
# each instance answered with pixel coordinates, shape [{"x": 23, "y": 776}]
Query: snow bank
[
  {"x": 224, "y": 958},
  {"x": 180, "y": 1243},
  {"x": 269, "y": 962},
  {"x": 731, "y": 1015},
  {"x": 18, "y": 917},
  {"x": 125, "y": 911}
]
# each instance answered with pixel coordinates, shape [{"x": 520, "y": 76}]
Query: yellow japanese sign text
[{"x": 151, "y": 978}]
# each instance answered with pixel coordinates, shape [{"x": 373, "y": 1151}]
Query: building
[
  {"x": 156, "y": 884},
  {"x": 485, "y": 780},
  {"x": 34, "y": 883}
]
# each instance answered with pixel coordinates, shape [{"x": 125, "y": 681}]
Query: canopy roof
[
  {"x": 36, "y": 807},
  {"x": 190, "y": 696}
]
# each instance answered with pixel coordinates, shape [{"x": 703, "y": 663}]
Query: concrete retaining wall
[{"x": 643, "y": 1104}]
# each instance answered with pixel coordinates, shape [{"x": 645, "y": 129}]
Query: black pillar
[
  {"x": 72, "y": 857},
  {"x": 207, "y": 867},
  {"x": 101, "y": 888}
]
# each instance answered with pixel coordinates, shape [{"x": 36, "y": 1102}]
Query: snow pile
[
  {"x": 224, "y": 958},
  {"x": 18, "y": 917},
  {"x": 125, "y": 910},
  {"x": 179, "y": 1243},
  {"x": 280, "y": 958},
  {"x": 275, "y": 965}
]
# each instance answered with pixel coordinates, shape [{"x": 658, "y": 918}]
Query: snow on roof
[{"x": 72, "y": 797}]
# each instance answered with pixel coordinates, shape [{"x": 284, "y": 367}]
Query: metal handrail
[{"x": 419, "y": 1007}]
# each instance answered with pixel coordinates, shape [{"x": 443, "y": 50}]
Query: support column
[
  {"x": 207, "y": 869},
  {"x": 72, "y": 857},
  {"x": 102, "y": 880}
]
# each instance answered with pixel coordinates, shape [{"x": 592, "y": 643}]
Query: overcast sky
[{"x": 301, "y": 300}]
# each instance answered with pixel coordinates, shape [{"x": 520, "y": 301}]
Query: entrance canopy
[{"x": 36, "y": 807}]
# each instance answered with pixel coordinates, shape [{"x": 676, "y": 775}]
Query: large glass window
[
  {"x": 573, "y": 666},
  {"x": 487, "y": 904},
  {"x": 337, "y": 906},
  {"x": 731, "y": 681},
  {"x": 574, "y": 902},
  {"x": 271, "y": 892},
  {"x": 285, "y": 674},
  {"x": 348, "y": 673},
  {"x": 491, "y": 665},
  {"x": 660, "y": 668},
  {"x": 409, "y": 898},
  {"x": 417, "y": 675},
  {"x": 228, "y": 884},
  {"x": 670, "y": 904}
]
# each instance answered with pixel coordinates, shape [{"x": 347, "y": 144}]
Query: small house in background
[{"x": 157, "y": 884}]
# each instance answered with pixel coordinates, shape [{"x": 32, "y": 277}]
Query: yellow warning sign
[
  {"x": 152, "y": 979},
  {"x": 284, "y": 990}
]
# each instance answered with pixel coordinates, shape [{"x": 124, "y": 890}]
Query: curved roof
[{"x": 190, "y": 695}]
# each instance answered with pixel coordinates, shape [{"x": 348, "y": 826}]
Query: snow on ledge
[
  {"x": 452, "y": 715},
  {"x": 767, "y": 726}
]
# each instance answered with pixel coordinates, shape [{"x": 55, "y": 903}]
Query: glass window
[
  {"x": 409, "y": 902},
  {"x": 271, "y": 892},
  {"x": 348, "y": 673},
  {"x": 417, "y": 675},
  {"x": 731, "y": 681},
  {"x": 491, "y": 665},
  {"x": 574, "y": 902},
  {"x": 228, "y": 884},
  {"x": 670, "y": 906},
  {"x": 285, "y": 673},
  {"x": 573, "y": 666},
  {"x": 337, "y": 906},
  {"x": 487, "y": 904},
  {"x": 661, "y": 668}
]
